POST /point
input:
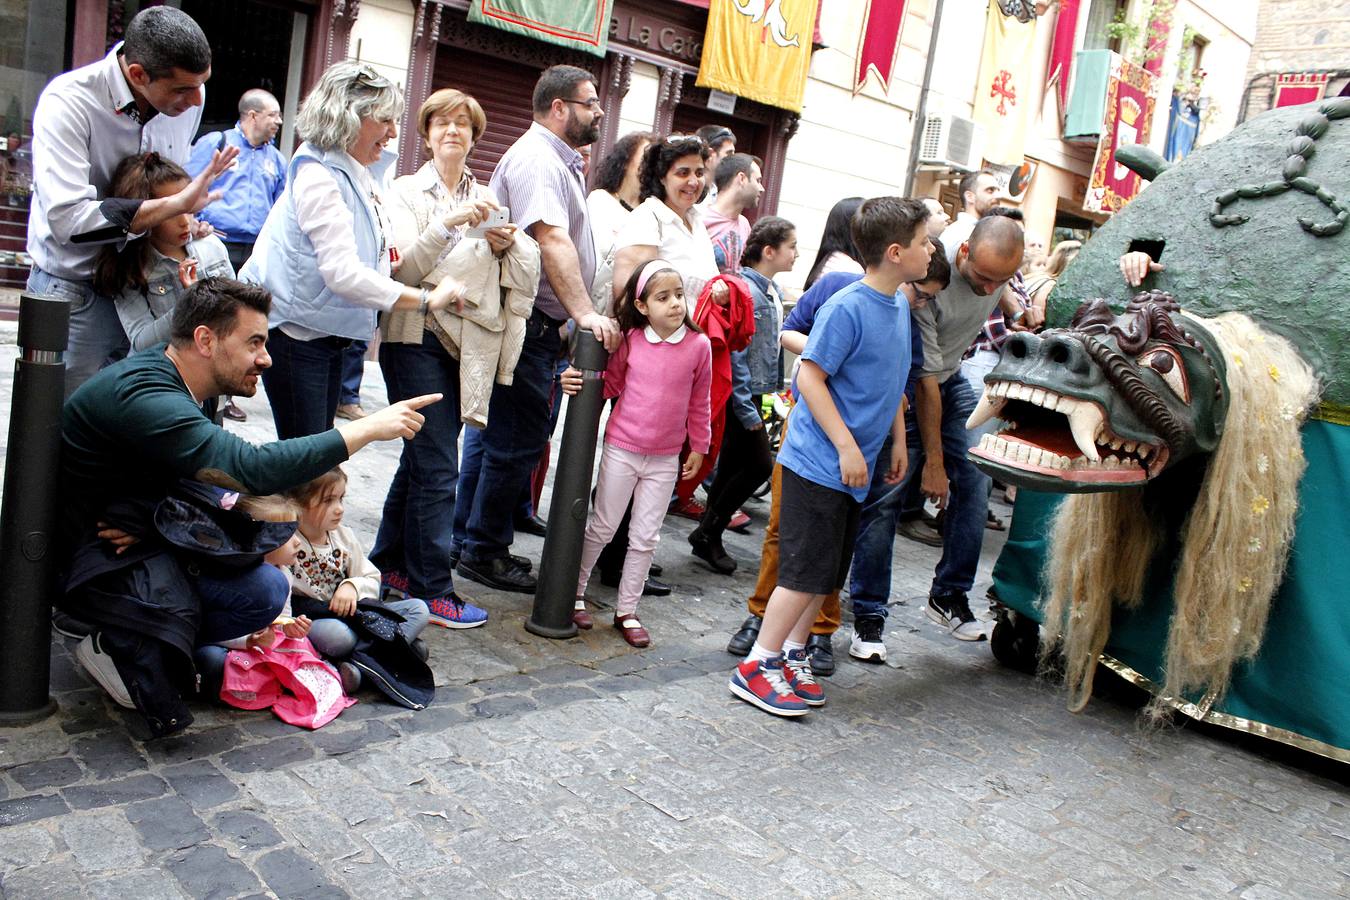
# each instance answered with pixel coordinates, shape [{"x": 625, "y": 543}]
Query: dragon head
[{"x": 1108, "y": 403}]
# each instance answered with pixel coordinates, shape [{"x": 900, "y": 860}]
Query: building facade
[{"x": 845, "y": 142}]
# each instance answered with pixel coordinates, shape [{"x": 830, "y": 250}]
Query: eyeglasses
[
  {"x": 921, "y": 296},
  {"x": 592, "y": 104}
]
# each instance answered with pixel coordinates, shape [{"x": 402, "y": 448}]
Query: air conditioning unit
[{"x": 953, "y": 142}]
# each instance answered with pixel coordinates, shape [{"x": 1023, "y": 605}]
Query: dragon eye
[{"x": 1167, "y": 365}]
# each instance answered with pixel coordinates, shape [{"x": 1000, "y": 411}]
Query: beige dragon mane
[{"x": 1235, "y": 541}]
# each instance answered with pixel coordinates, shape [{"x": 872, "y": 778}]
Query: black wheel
[{"x": 1016, "y": 640}]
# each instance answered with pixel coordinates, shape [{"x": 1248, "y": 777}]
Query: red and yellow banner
[
  {"x": 1003, "y": 92},
  {"x": 759, "y": 49},
  {"x": 1129, "y": 114},
  {"x": 1295, "y": 89}
]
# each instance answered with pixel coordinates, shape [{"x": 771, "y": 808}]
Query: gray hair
[{"x": 346, "y": 93}]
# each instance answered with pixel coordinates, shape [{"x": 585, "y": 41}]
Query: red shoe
[
  {"x": 690, "y": 509},
  {"x": 739, "y": 521},
  {"x": 581, "y": 617},
  {"x": 798, "y": 675},
  {"x": 632, "y": 630}
]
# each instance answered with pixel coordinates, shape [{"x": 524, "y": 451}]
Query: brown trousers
[{"x": 828, "y": 620}]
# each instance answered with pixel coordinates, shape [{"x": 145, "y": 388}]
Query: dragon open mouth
[{"x": 1064, "y": 437}]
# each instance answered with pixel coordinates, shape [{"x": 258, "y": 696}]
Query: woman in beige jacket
[{"x": 431, "y": 211}]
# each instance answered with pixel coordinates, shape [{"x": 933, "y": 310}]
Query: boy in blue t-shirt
[{"x": 851, "y": 384}]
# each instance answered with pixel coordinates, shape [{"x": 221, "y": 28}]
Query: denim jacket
[
  {"x": 758, "y": 369},
  {"x": 146, "y": 316},
  {"x": 765, "y": 355}
]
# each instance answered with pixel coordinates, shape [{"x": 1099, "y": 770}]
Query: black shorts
[{"x": 816, "y": 528}]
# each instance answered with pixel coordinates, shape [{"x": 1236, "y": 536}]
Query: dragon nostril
[
  {"x": 1059, "y": 354},
  {"x": 1017, "y": 348}
]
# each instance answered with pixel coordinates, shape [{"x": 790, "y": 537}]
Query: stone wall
[{"x": 1301, "y": 34}]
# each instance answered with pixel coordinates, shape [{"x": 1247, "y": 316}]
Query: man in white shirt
[
  {"x": 979, "y": 193},
  {"x": 144, "y": 96}
]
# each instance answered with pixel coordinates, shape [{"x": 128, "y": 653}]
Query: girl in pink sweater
[{"x": 661, "y": 373}]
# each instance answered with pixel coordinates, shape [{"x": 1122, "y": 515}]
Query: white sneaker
[
  {"x": 953, "y": 613},
  {"x": 867, "y": 647},
  {"x": 101, "y": 668}
]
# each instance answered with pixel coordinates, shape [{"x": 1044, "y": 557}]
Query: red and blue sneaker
[
  {"x": 761, "y": 684},
  {"x": 798, "y": 675},
  {"x": 393, "y": 583},
  {"x": 453, "y": 611}
]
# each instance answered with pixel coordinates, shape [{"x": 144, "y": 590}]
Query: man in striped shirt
[{"x": 540, "y": 180}]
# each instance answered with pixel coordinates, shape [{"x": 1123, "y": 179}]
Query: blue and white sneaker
[{"x": 453, "y": 611}]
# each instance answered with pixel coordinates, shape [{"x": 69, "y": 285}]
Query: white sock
[
  {"x": 789, "y": 645},
  {"x": 760, "y": 653}
]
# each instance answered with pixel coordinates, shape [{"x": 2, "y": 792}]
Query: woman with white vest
[{"x": 324, "y": 251}]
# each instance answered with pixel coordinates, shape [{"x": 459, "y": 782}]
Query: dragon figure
[{"x": 1199, "y": 431}]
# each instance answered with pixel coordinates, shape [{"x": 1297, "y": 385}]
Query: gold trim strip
[
  {"x": 1202, "y": 713},
  {"x": 1333, "y": 413}
]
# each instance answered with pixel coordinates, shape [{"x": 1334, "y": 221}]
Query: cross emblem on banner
[{"x": 1006, "y": 93}]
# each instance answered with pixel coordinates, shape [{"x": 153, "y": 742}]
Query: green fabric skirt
[{"x": 1296, "y": 689}]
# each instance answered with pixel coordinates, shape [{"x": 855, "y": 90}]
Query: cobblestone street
[{"x": 583, "y": 768}]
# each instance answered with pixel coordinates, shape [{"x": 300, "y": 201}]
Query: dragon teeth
[
  {"x": 986, "y": 409},
  {"x": 1085, "y": 420}
]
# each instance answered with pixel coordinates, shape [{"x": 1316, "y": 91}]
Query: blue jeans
[
  {"x": 510, "y": 445},
  {"x": 303, "y": 382},
  {"x": 96, "y": 335},
  {"x": 419, "y": 510},
  {"x": 869, "y": 584},
  {"x": 968, "y": 502},
  {"x": 237, "y": 604},
  {"x": 334, "y": 639},
  {"x": 353, "y": 367}
]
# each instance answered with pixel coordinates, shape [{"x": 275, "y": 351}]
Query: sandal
[
  {"x": 994, "y": 523},
  {"x": 632, "y": 630}
]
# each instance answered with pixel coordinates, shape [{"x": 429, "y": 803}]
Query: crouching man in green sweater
[{"x": 129, "y": 434}]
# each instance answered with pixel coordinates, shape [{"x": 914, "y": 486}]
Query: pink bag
[{"x": 289, "y": 677}]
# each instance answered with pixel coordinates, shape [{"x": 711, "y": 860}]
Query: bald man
[
  {"x": 982, "y": 265},
  {"x": 255, "y": 181}
]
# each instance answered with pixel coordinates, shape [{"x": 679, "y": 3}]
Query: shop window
[{"x": 32, "y": 52}]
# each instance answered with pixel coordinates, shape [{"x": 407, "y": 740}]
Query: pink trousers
[{"x": 648, "y": 480}]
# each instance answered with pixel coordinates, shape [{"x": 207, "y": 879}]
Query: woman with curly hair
[{"x": 667, "y": 224}]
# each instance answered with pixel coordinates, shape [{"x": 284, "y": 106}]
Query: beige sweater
[{"x": 486, "y": 336}]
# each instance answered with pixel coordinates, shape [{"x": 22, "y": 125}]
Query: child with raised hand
[
  {"x": 148, "y": 275},
  {"x": 332, "y": 574},
  {"x": 851, "y": 384},
  {"x": 662, "y": 375}
]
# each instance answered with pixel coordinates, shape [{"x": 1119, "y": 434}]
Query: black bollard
[
  {"x": 28, "y": 520},
  {"x": 555, "y": 592}
]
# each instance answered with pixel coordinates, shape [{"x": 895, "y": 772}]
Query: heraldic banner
[
  {"x": 1003, "y": 91},
  {"x": 1129, "y": 113},
  {"x": 758, "y": 49},
  {"x": 878, "y": 42},
  {"x": 579, "y": 24}
]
